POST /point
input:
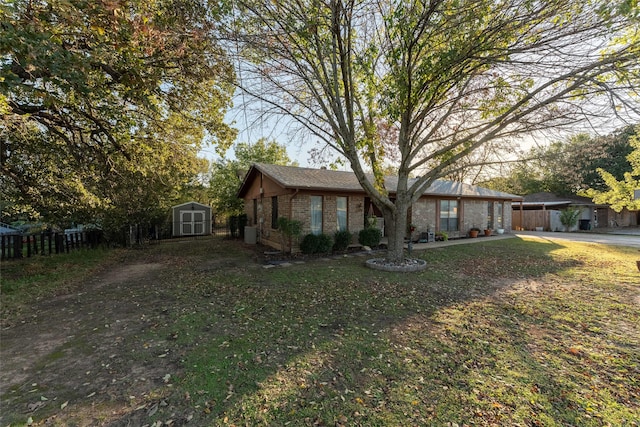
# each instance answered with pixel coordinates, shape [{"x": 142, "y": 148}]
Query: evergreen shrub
[
  {"x": 370, "y": 236},
  {"x": 341, "y": 240},
  {"x": 309, "y": 244},
  {"x": 325, "y": 243}
]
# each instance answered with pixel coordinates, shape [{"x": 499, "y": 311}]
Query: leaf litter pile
[{"x": 510, "y": 332}]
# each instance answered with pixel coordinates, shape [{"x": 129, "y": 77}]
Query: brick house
[{"x": 326, "y": 201}]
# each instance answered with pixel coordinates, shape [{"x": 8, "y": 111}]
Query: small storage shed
[{"x": 191, "y": 219}]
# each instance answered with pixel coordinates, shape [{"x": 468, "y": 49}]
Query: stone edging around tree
[{"x": 408, "y": 266}]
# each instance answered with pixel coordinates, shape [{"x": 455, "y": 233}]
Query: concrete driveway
[{"x": 627, "y": 237}]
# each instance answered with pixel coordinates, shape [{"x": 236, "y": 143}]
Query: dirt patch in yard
[{"x": 86, "y": 358}]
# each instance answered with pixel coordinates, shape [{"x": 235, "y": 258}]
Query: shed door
[{"x": 192, "y": 222}]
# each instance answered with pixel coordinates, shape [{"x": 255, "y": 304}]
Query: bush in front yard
[
  {"x": 309, "y": 244},
  {"x": 370, "y": 237},
  {"x": 314, "y": 244},
  {"x": 341, "y": 240},
  {"x": 325, "y": 243}
]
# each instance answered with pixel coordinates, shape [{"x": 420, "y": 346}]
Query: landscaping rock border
[{"x": 408, "y": 266}]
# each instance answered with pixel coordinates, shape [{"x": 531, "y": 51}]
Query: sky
[
  {"x": 298, "y": 144},
  {"x": 251, "y": 130}
]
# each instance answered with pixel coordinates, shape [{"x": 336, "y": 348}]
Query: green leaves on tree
[
  {"x": 226, "y": 175},
  {"x": 105, "y": 105}
]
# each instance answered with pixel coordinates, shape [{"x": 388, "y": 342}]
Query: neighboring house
[
  {"x": 8, "y": 229},
  {"x": 542, "y": 211},
  {"x": 326, "y": 201},
  {"x": 191, "y": 219}
]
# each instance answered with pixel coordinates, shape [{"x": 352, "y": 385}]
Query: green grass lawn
[
  {"x": 26, "y": 281},
  {"x": 508, "y": 332}
]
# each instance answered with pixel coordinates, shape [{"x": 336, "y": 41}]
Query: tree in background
[
  {"x": 227, "y": 175},
  {"x": 571, "y": 167},
  {"x": 105, "y": 105},
  {"x": 520, "y": 178},
  {"x": 568, "y": 167},
  {"x": 620, "y": 192},
  {"x": 449, "y": 76}
]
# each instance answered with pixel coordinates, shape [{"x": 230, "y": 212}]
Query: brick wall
[
  {"x": 355, "y": 219},
  {"x": 507, "y": 221},
  {"x": 268, "y": 235},
  {"x": 423, "y": 215},
  {"x": 475, "y": 215},
  {"x": 301, "y": 211},
  {"x": 329, "y": 215}
]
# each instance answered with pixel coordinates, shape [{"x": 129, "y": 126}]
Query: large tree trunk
[{"x": 395, "y": 226}]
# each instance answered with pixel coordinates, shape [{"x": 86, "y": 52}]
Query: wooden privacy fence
[
  {"x": 531, "y": 220},
  {"x": 15, "y": 246}
]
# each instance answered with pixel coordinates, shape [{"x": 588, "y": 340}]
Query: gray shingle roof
[
  {"x": 307, "y": 178},
  {"x": 441, "y": 187},
  {"x": 323, "y": 179},
  {"x": 553, "y": 198}
]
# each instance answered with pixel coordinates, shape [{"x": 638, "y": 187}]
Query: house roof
[
  {"x": 292, "y": 177},
  {"x": 442, "y": 187},
  {"x": 307, "y": 178},
  {"x": 550, "y": 199},
  {"x": 559, "y": 203}
]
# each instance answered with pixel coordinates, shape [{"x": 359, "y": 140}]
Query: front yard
[{"x": 508, "y": 332}]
